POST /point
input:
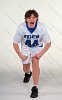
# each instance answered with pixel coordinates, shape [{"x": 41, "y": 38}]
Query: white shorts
[{"x": 30, "y": 52}]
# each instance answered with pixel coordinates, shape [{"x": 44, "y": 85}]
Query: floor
[{"x": 11, "y": 72}]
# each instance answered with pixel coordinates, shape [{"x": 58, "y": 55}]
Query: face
[{"x": 31, "y": 21}]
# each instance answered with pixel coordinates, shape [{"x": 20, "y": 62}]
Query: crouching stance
[{"x": 32, "y": 35}]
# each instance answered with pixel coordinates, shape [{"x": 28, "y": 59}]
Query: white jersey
[
  {"x": 31, "y": 40},
  {"x": 31, "y": 43}
]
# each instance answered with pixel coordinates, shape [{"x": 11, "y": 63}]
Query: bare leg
[
  {"x": 35, "y": 70},
  {"x": 26, "y": 68},
  {"x": 35, "y": 76}
]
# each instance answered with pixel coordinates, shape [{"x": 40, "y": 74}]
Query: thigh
[
  {"x": 35, "y": 51},
  {"x": 26, "y": 51},
  {"x": 27, "y": 61}
]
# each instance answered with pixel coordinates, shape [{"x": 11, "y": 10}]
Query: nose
[{"x": 31, "y": 18}]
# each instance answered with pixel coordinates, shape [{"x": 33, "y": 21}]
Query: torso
[{"x": 31, "y": 39}]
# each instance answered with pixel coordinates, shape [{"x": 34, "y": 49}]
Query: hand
[
  {"x": 40, "y": 54},
  {"x": 23, "y": 57}
]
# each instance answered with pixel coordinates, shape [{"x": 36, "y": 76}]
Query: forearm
[
  {"x": 16, "y": 47},
  {"x": 46, "y": 47}
]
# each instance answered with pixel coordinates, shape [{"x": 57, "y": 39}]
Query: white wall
[{"x": 11, "y": 15}]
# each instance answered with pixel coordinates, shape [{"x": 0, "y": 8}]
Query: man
[{"x": 32, "y": 35}]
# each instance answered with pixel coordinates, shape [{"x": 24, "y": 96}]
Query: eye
[{"x": 29, "y": 17}]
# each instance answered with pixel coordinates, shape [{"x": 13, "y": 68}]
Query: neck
[{"x": 31, "y": 29}]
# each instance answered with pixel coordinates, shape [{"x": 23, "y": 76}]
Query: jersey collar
[{"x": 31, "y": 30}]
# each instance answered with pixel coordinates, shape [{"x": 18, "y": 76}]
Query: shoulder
[
  {"x": 21, "y": 28},
  {"x": 41, "y": 27},
  {"x": 22, "y": 25}
]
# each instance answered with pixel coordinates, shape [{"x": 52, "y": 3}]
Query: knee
[{"x": 35, "y": 61}]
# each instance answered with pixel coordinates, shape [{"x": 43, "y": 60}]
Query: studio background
[{"x": 11, "y": 74}]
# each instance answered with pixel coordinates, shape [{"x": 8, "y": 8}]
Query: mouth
[{"x": 32, "y": 23}]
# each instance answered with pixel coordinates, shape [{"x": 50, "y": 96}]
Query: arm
[
  {"x": 16, "y": 41},
  {"x": 46, "y": 47},
  {"x": 16, "y": 47},
  {"x": 46, "y": 40}
]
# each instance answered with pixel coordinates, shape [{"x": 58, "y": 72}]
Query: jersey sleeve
[
  {"x": 45, "y": 36},
  {"x": 18, "y": 35}
]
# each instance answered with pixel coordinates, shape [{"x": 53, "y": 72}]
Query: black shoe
[
  {"x": 34, "y": 93},
  {"x": 27, "y": 77}
]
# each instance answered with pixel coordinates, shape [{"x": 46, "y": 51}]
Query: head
[{"x": 31, "y": 17}]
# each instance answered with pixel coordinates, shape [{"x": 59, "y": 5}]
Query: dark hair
[{"x": 30, "y": 12}]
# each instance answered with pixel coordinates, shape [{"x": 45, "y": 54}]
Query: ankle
[
  {"x": 29, "y": 72},
  {"x": 35, "y": 86}
]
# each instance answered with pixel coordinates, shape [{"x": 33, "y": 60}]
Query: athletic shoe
[
  {"x": 27, "y": 77},
  {"x": 34, "y": 92}
]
